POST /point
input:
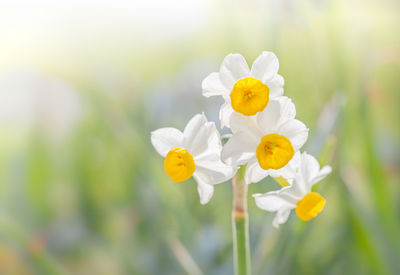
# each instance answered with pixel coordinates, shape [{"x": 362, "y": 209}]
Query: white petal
[
  {"x": 291, "y": 194},
  {"x": 240, "y": 123},
  {"x": 165, "y": 139},
  {"x": 281, "y": 201},
  {"x": 268, "y": 120},
  {"x": 309, "y": 167},
  {"x": 276, "y": 86},
  {"x": 225, "y": 114},
  {"x": 288, "y": 171},
  {"x": 214, "y": 171},
  {"x": 308, "y": 173},
  {"x": 239, "y": 149},
  {"x": 288, "y": 110},
  {"x": 265, "y": 67},
  {"x": 254, "y": 173},
  {"x": 212, "y": 86},
  {"x": 281, "y": 217},
  {"x": 233, "y": 68},
  {"x": 213, "y": 138},
  {"x": 205, "y": 190},
  {"x": 278, "y": 111},
  {"x": 322, "y": 174},
  {"x": 295, "y": 131},
  {"x": 271, "y": 201},
  {"x": 196, "y": 134}
]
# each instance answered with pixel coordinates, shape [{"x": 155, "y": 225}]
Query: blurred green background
[{"x": 83, "y": 83}]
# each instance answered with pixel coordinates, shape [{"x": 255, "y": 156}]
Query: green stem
[{"x": 240, "y": 225}]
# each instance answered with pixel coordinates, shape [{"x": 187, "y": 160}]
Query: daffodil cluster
[{"x": 266, "y": 139}]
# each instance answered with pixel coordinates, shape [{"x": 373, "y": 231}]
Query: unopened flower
[
  {"x": 244, "y": 90},
  {"x": 195, "y": 152},
  {"x": 306, "y": 173},
  {"x": 266, "y": 142}
]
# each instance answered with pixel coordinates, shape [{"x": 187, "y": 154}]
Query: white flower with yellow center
[
  {"x": 266, "y": 142},
  {"x": 195, "y": 152},
  {"x": 298, "y": 195},
  {"x": 244, "y": 90}
]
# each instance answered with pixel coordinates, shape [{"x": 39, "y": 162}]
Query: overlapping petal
[
  {"x": 281, "y": 217},
  {"x": 268, "y": 120},
  {"x": 326, "y": 170},
  {"x": 239, "y": 148},
  {"x": 271, "y": 201},
  {"x": 205, "y": 189},
  {"x": 277, "y": 117},
  {"x": 233, "y": 68},
  {"x": 202, "y": 140},
  {"x": 306, "y": 171},
  {"x": 210, "y": 164},
  {"x": 281, "y": 202},
  {"x": 276, "y": 86},
  {"x": 309, "y": 171},
  {"x": 254, "y": 173},
  {"x": 225, "y": 114},
  {"x": 199, "y": 134}
]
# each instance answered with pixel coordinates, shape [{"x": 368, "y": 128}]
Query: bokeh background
[{"x": 83, "y": 83}]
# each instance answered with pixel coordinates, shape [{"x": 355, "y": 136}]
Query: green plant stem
[{"x": 240, "y": 226}]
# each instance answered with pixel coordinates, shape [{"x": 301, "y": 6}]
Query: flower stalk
[{"x": 240, "y": 225}]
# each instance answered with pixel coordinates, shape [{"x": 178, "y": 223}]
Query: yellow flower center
[
  {"x": 310, "y": 206},
  {"x": 179, "y": 164},
  {"x": 274, "y": 151},
  {"x": 249, "y": 96}
]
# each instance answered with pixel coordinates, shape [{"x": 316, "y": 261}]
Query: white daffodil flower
[
  {"x": 244, "y": 90},
  {"x": 195, "y": 152},
  {"x": 298, "y": 195},
  {"x": 265, "y": 142}
]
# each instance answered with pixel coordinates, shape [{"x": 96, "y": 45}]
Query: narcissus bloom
[
  {"x": 195, "y": 152},
  {"x": 306, "y": 172},
  {"x": 247, "y": 91},
  {"x": 265, "y": 142}
]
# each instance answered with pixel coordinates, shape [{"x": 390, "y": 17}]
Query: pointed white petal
[
  {"x": 205, "y": 190},
  {"x": 239, "y": 149},
  {"x": 254, "y": 173},
  {"x": 276, "y": 86},
  {"x": 212, "y": 168},
  {"x": 281, "y": 217},
  {"x": 322, "y": 174},
  {"x": 308, "y": 173},
  {"x": 213, "y": 138},
  {"x": 295, "y": 131},
  {"x": 196, "y": 134},
  {"x": 265, "y": 67},
  {"x": 268, "y": 120},
  {"x": 288, "y": 171},
  {"x": 212, "y": 86},
  {"x": 288, "y": 110},
  {"x": 278, "y": 111},
  {"x": 165, "y": 139},
  {"x": 225, "y": 114},
  {"x": 291, "y": 194},
  {"x": 233, "y": 68},
  {"x": 309, "y": 167},
  {"x": 281, "y": 201},
  {"x": 270, "y": 201},
  {"x": 242, "y": 123}
]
